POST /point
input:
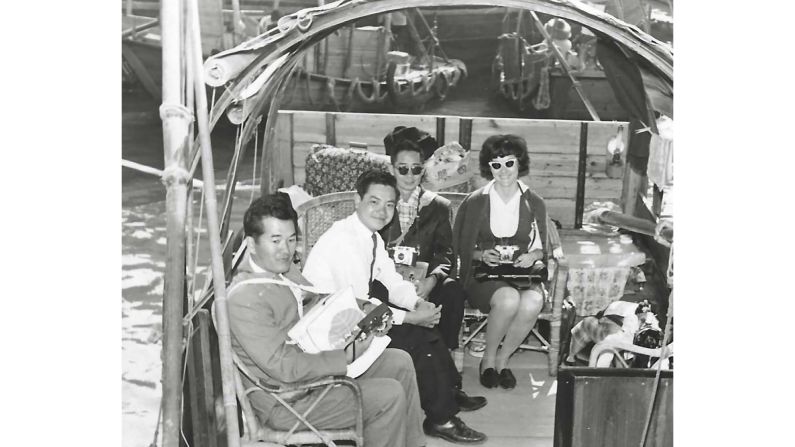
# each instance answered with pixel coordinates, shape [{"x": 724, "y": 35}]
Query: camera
[
  {"x": 507, "y": 253},
  {"x": 404, "y": 255}
]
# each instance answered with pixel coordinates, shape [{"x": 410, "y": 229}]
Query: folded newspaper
[{"x": 335, "y": 321}]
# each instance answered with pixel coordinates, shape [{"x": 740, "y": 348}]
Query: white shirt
[
  {"x": 342, "y": 257},
  {"x": 508, "y": 212}
]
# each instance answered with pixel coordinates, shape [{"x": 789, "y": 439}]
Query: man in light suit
[{"x": 261, "y": 314}]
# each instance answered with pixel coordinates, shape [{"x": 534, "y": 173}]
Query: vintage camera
[
  {"x": 404, "y": 255},
  {"x": 507, "y": 253}
]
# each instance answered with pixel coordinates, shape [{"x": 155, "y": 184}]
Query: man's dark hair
[
  {"x": 276, "y": 205},
  {"x": 422, "y": 139},
  {"x": 406, "y": 145},
  {"x": 497, "y": 146},
  {"x": 375, "y": 177}
]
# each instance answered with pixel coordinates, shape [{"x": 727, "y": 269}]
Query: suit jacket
[
  {"x": 467, "y": 223},
  {"x": 431, "y": 231},
  {"x": 259, "y": 317}
]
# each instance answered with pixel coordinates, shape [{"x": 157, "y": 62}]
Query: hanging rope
[
  {"x": 542, "y": 100},
  {"x": 376, "y": 96}
]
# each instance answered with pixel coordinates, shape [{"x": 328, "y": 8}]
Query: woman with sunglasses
[{"x": 503, "y": 213}]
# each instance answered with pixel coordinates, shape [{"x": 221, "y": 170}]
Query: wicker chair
[
  {"x": 260, "y": 435},
  {"x": 316, "y": 215}
]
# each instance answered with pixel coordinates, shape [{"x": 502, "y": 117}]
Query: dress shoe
[
  {"x": 469, "y": 403},
  {"x": 455, "y": 431},
  {"x": 489, "y": 377},
  {"x": 507, "y": 379}
]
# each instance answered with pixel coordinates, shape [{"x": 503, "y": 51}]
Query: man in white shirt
[{"x": 351, "y": 253}]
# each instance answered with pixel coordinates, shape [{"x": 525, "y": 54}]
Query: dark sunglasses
[
  {"x": 496, "y": 165},
  {"x": 416, "y": 170}
]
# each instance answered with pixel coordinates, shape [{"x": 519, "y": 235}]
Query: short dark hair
[
  {"x": 497, "y": 146},
  {"x": 276, "y": 205},
  {"x": 375, "y": 177},
  {"x": 404, "y": 146},
  {"x": 424, "y": 140}
]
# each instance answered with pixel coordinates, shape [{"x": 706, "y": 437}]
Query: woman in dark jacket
[{"x": 503, "y": 213}]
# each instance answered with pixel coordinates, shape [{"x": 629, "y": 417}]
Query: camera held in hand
[
  {"x": 403, "y": 255},
  {"x": 507, "y": 253}
]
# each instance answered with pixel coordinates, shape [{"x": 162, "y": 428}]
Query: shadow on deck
[{"x": 524, "y": 416}]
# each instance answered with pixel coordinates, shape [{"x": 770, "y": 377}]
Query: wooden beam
[
  {"x": 579, "y": 206},
  {"x": 201, "y": 392}
]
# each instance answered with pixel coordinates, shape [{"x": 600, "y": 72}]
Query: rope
[
  {"x": 349, "y": 95},
  {"x": 375, "y": 97},
  {"x": 330, "y": 84},
  {"x": 542, "y": 100}
]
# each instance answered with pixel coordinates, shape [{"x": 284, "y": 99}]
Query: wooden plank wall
[{"x": 554, "y": 147}]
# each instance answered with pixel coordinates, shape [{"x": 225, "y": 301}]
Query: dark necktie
[{"x": 372, "y": 263}]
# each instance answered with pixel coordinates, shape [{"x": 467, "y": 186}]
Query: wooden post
[
  {"x": 579, "y": 205},
  {"x": 349, "y": 54},
  {"x": 465, "y": 133},
  {"x": 440, "y": 121},
  {"x": 331, "y": 129},
  {"x": 176, "y": 119},
  {"x": 635, "y": 180},
  {"x": 213, "y": 230}
]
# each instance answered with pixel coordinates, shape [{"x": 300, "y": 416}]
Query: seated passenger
[
  {"x": 503, "y": 213},
  {"x": 351, "y": 253},
  {"x": 422, "y": 223},
  {"x": 260, "y": 315}
]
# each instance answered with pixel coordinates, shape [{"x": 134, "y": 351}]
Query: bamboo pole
[
  {"x": 219, "y": 286},
  {"x": 237, "y": 20},
  {"x": 574, "y": 82},
  {"x": 176, "y": 119}
]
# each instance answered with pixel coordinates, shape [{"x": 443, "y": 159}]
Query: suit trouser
[
  {"x": 450, "y": 295},
  {"x": 437, "y": 376},
  {"x": 391, "y": 406}
]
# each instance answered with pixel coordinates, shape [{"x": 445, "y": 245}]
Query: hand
[
  {"x": 361, "y": 346},
  {"x": 366, "y": 306},
  {"x": 387, "y": 327},
  {"x": 424, "y": 286},
  {"x": 426, "y": 315},
  {"x": 527, "y": 259},
  {"x": 490, "y": 257},
  {"x": 441, "y": 269}
]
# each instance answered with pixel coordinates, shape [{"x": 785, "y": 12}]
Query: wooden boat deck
[{"x": 524, "y": 416}]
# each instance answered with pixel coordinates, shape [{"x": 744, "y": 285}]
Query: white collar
[
  {"x": 358, "y": 226},
  {"x": 522, "y": 187}
]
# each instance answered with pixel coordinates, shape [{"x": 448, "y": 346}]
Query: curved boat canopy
[{"x": 242, "y": 69}]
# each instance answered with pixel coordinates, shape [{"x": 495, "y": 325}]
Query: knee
[
  {"x": 506, "y": 300},
  {"x": 401, "y": 361},
  {"x": 531, "y": 303}
]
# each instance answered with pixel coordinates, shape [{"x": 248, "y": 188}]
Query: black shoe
[
  {"x": 469, "y": 403},
  {"x": 489, "y": 377},
  {"x": 507, "y": 379},
  {"x": 457, "y": 432}
]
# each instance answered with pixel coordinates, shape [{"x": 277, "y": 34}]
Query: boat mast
[{"x": 176, "y": 121}]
